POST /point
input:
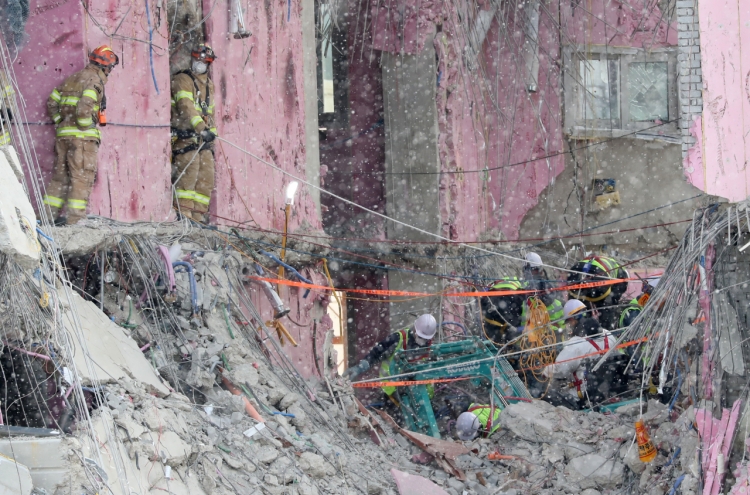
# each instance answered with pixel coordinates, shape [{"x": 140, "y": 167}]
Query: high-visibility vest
[
  {"x": 509, "y": 283},
  {"x": 489, "y": 421},
  {"x": 556, "y": 312},
  {"x": 633, "y": 305},
  {"x": 387, "y": 363},
  {"x": 608, "y": 265},
  {"x": 506, "y": 283}
]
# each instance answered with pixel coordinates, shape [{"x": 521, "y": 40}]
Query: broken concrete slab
[
  {"x": 42, "y": 456},
  {"x": 528, "y": 421},
  {"x": 103, "y": 352},
  {"x": 593, "y": 470},
  {"x": 18, "y": 236},
  {"x": 15, "y": 478},
  {"x": 315, "y": 465}
]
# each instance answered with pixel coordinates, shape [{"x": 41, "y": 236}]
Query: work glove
[
  {"x": 355, "y": 371},
  {"x": 207, "y": 136}
]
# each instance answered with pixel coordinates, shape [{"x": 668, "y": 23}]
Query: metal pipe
[
  {"x": 291, "y": 269},
  {"x": 193, "y": 286},
  {"x": 287, "y": 212},
  {"x": 164, "y": 251}
]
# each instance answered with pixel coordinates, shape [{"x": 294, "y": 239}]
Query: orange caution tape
[
  {"x": 380, "y": 292},
  {"x": 410, "y": 383}
]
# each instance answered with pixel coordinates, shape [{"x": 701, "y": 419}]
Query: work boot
[
  {"x": 61, "y": 221},
  {"x": 183, "y": 214}
]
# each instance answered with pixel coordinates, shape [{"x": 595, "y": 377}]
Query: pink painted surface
[
  {"x": 725, "y": 30},
  {"x": 694, "y": 171},
  {"x": 260, "y": 107},
  {"x": 412, "y": 484},
  {"x": 635, "y": 286},
  {"x": 497, "y": 123},
  {"x": 133, "y": 172},
  {"x": 716, "y": 438},
  {"x": 307, "y": 357},
  {"x": 634, "y": 23}
]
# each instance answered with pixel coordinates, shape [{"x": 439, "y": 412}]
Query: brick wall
[{"x": 689, "y": 61}]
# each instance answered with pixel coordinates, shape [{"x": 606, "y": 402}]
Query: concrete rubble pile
[{"x": 311, "y": 442}]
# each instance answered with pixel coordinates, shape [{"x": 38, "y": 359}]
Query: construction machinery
[{"x": 473, "y": 359}]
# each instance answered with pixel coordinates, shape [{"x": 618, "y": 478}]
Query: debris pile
[{"x": 191, "y": 378}]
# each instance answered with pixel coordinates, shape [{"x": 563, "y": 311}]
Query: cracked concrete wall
[{"x": 648, "y": 175}]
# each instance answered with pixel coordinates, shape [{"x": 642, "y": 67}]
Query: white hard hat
[
  {"x": 425, "y": 326},
  {"x": 467, "y": 426},
  {"x": 534, "y": 260},
  {"x": 572, "y": 307}
]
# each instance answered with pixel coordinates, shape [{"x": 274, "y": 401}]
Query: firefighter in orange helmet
[
  {"x": 76, "y": 107},
  {"x": 193, "y": 133}
]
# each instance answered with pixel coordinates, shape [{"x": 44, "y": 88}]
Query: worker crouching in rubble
[
  {"x": 478, "y": 419},
  {"x": 420, "y": 335},
  {"x": 584, "y": 389},
  {"x": 193, "y": 133}
]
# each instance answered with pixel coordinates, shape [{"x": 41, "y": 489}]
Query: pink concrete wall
[
  {"x": 724, "y": 148},
  {"x": 492, "y": 121},
  {"x": 260, "y": 107},
  {"x": 133, "y": 175},
  {"x": 631, "y": 23}
]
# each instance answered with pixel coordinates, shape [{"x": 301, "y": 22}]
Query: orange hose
[{"x": 248, "y": 407}]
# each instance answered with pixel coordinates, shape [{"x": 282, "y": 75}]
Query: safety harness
[
  {"x": 577, "y": 381},
  {"x": 190, "y": 133}
]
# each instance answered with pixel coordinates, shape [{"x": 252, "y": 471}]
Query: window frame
[
  {"x": 339, "y": 117},
  {"x": 578, "y": 127}
]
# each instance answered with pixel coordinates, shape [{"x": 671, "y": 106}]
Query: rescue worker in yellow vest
[
  {"x": 502, "y": 316},
  {"x": 420, "y": 335},
  {"x": 536, "y": 278},
  {"x": 193, "y": 133},
  {"x": 7, "y": 96},
  {"x": 476, "y": 418},
  {"x": 606, "y": 297},
  {"x": 76, "y": 107}
]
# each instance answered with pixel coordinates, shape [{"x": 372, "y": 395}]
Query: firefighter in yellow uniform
[
  {"x": 193, "y": 133},
  {"x": 75, "y": 107},
  {"x": 7, "y": 94}
]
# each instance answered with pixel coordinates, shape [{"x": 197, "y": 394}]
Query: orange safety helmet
[
  {"x": 104, "y": 56},
  {"x": 204, "y": 52}
]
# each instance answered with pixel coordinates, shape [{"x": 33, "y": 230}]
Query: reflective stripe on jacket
[
  {"x": 387, "y": 363},
  {"x": 74, "y": 105},
  {"x": 509, "y": 283},
  {"x": 193, "y": 103},
  {"x": 609, "y": 266},
  {"x": 633, "y": 305}
]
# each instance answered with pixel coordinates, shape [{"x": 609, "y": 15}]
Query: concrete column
[
  {"x": 411, "y": 145},
  {"x": 310, "y": 83}
]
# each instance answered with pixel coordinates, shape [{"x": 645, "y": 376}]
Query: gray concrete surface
[
  {"x": 411, "y": 143},
  {"x": 648, "y": 174}
]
